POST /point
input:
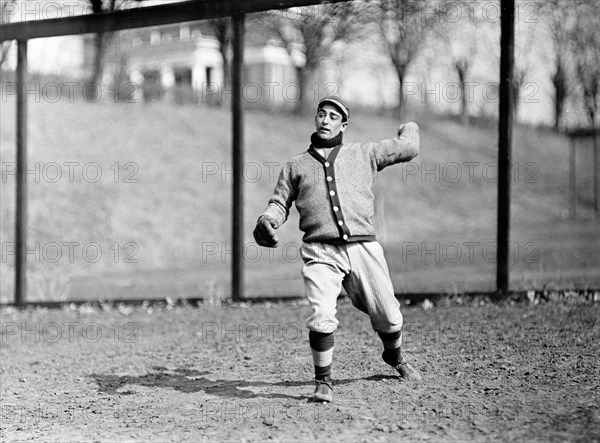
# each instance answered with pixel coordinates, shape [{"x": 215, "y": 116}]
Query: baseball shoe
[
  {"x": 323, "y": 391},
  {"x": 407, "y": 372}
]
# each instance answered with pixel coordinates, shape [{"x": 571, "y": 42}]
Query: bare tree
[
  {"x": 221, "y": 28},
  {"x": 314, "y": 30},
  {"x": 525, "y": 44},
  {"x": 99, "y": 44},
  {"x": 559, "y": 19},
  {"x": 404, "y": 26},
  {"x": 460, "y": 42},
  {"x": 585, "y": 41},
  {"x": 103, "y": 40}
]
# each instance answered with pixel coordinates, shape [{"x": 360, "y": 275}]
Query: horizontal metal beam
[{"x": 143, "y": 17}]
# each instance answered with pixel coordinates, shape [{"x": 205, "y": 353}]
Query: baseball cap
[{"x": 338, "y": 103}]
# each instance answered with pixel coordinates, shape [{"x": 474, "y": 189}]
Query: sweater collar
[{"x": 318, "y": 142}]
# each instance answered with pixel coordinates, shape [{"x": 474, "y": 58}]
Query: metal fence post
[
  {"x": 21, "y": 183},
  {"x": 237, "y": 270},
  {"x": 505, "y": 124}
]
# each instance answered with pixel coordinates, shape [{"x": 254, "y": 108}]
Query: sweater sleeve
[
  {"x": 398, "y": 149},
  {"x": 284, "y": 195}
]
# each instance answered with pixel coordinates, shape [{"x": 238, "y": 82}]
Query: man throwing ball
[{"x": 332, "y": 185}]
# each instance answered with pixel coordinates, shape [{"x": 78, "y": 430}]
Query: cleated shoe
[
  {"x": 323, "y": 391},
  {"x": 407, "y": 372}
]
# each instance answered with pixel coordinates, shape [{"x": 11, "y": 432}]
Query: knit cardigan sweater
[{"x": 334, "y": 196}]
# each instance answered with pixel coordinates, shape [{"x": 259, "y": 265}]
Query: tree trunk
[
  {"x": 300, "y": 106},
  {"x": 558, "y": 107},
  {"x": 559, "y": 81},
  {"x": 464, "y": 107},
  {"x": 222, "y": 30},
  {"x": 401, "y": 99},
  {"x": 519, "y": 78},
  {"x": 96, "y": 79},
  {"x": 591, "y": 110},
  {"x": 461, "y": 67},
  {"x": 226, "y": 67},
  {"x": 92, "y": 92},
  {"x": 590, "y": 94},
  {"x": 223, "y": 46}
]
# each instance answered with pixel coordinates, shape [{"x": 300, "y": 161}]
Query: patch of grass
[{"x": 163, "y": 201}]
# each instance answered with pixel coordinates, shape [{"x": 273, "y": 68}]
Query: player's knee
[
  {"x": 323, "y": 327},
  {"x": 387, "y": 323}
]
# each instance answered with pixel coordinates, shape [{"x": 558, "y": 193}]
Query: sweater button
[
  {"x": 329, "y": 178},
  {"x": 336, "y": 209},
  {"x": 345, "y": 237},
  {"x": 341, "y": 222},
  {"x": 327, "y": 164},
  {"x": 332, "y": 193}
]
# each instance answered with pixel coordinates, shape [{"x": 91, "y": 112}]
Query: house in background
[
  {"x": 183, "y": 64},
  {"x": 164, "y": 63},
  {"x": 179, "y": 63}
]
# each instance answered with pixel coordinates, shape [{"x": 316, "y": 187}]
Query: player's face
[{"x": 328, "y": 122}]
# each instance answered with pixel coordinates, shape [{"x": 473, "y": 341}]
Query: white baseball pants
[{"x": 360, "y": 268}]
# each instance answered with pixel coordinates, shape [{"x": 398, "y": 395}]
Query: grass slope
[{"x": 160, "y": 212}]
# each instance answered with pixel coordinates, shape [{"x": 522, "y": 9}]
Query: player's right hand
[
  {"x": 410, "y": 126},
  {"x": 264, "y": 233}
]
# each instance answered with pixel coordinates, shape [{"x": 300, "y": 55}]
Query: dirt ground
[{"x": 492, "y": 372}]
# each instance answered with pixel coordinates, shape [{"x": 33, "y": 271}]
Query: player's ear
[{"x": 344, "y": 126}]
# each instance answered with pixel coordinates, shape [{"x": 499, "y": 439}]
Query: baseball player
[{"x": 332, "y": 185}]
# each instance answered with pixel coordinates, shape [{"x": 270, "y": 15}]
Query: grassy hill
[{"x": 156, "y": 222}]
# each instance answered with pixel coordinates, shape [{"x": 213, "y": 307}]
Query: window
[
  {"x": 184, "y": 33},
  {"x": 155, "y": 37}
]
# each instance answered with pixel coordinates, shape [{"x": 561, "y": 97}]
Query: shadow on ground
[{"x": 191, "y": 380}]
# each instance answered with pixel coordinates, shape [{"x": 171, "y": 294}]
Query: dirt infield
[{"x": 243, "y": 373}]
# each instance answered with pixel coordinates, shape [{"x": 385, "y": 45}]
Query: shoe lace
[{"x": 325, "y": 382}]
